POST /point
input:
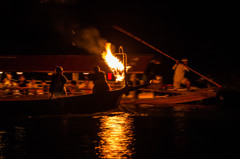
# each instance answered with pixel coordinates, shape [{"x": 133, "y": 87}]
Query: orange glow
[
  {"x": 3, "y": 144},
  {"x": 116, "y": 137},
  {"x": 114, "y": 63}
]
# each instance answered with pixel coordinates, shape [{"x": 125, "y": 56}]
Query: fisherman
[
  {"x": 100, "y": 82},
  {"x": 57, "y": 86},
  {"x": 179, "y": 74},
  {"x": 134, "y": 81}
]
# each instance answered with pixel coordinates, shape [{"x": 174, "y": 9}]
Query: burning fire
[{"x": 114, "y": 63}]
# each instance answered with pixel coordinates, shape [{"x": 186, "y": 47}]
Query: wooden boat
[
  {"x": 172, "y": 97},
  {"x": 81, "y": 104}
]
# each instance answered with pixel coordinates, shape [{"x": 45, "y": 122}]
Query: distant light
[
  {"x": 1, "y": 72},
  {"x": 86, "y": 73},
  {"x": 19, "y": 73},
  {"x": 50, "y": 73}
]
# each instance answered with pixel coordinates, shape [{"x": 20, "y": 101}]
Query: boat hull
[
  {"x": 175, "y": 97},
  {"x": 64, "y": 105}
]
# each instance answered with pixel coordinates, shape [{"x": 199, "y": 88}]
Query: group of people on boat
[
  {"x": 19, "y": 87},
  {"x": 57, "y": 86},
  {"x": 59, "y": 80},
  {"x": 179, "y": 77}
]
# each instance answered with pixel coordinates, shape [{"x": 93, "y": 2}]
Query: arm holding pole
[{"x": 154, "y": 48}]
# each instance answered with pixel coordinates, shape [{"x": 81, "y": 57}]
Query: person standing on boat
[
  {"x": 100, "y": 82},
  {"x": 57, "y": 86},
  {"x": 134, "y": 81},
  {"x": 179, "y": 74}
]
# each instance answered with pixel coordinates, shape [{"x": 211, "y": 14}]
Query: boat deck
[
  {"x": 147, "y": 96},
  {"x": 170, "y": 96}
]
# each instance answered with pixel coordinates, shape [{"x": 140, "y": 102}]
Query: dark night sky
[{"x": 204, "y": 33}]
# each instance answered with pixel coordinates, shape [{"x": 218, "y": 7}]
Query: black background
[{"x": 205, "y": 33}]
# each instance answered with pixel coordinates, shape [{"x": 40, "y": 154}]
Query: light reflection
[
  {"x": 180, "y": 137},
  {"x": 116, "y": 137},
  {"x": 3, "y": 144}
]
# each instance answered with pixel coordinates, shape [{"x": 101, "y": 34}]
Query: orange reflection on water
[
  {"x": 3, "y": 144},
  {"x": 116, "y": 137}
]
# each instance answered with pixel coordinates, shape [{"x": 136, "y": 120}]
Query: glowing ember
[{"x": 114, "y": 63}]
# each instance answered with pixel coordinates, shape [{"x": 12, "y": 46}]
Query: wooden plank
[{"x": 183, "y": 98}]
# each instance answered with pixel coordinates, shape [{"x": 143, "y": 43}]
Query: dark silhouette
[
  {"x": 22, "y": 84},
  {"x": 57, "y": 86},
  {"x": 100, "y": 83}
]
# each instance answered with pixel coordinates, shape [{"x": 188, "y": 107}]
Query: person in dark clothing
[
  {"x": 134, "y": 81},
  {"x": 22, "y": 84},
  {"x": 100, "y": 82},
  {"x": 57, "y": 86}
]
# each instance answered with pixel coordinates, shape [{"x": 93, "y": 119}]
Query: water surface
[{"x": 143, "y": 131}]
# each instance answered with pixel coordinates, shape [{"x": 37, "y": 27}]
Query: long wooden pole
[{"x": 151, "y": 46}]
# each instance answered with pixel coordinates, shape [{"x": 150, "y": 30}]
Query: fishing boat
[
  {"x": 81, "y": 104},
  {"x": 171, "y": 96},
  {"x": 77, "y": 104}
]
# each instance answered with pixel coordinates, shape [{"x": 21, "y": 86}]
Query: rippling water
[{"x": 142, "y": 131}]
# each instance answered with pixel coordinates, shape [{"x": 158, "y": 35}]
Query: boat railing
[{"x": 40, "y": 90}]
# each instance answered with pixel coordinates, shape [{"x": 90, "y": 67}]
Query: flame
[{"x": 114, "y": 63}]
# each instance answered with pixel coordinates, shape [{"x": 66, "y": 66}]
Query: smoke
[{"x": 89, "y": 39}]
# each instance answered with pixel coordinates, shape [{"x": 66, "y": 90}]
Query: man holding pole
[
  {"x": 154, "y": 48},
  {"x": 179, "y": 74}
]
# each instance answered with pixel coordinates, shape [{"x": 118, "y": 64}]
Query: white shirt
[{"x": 179, "y": 70}]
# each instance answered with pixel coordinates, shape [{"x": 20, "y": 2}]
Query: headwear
[
  {"x": 184, "y": 59},
  {"x": 96, "y": 69},
  {"x": 59, "y": 69}
]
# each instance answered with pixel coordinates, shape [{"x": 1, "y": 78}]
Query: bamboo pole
[{"x": 154, "y": 48}]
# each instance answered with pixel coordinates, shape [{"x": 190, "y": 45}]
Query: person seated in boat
[
  {"x": 134, "y": 81},
  {"x": 179, "y": 74},
  {"x": 58, "y": 82},
  {"x": 4, "y": 86},
  {"x": 1, "y": 84},
  {"x": 157, "y": 84},
  {"x": 11, "y": 88},
  {"x": 100, "y": 82},
  {"x": 22, "y": 85},
  {"x": 72, "y": 88},
  {"x": 32, "y": 85},
  {"x": 44, "y": 87},
  {"x": 7, "y": 80},
  {"x": 87, "y": 86}
]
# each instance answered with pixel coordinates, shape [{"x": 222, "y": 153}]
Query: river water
[{"x": 142, "y": 132}]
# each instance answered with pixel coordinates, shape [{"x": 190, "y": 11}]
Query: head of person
[
  {"x": 43, "y": 82},
  {"x": 158, "y": 77},
  {"x": 184, "y": 61},
  {"x": 96, "y": 69},
  {"x": 4, "y": 80},
  {"x": 33, "y": 80},
  {"x": 73, "y": 82},
  {"x": 8, "y": 76},
  {"x": 59, "y": 70},
  {"x": 21, "y": 78}
]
